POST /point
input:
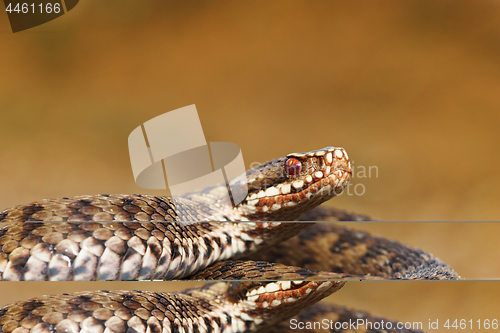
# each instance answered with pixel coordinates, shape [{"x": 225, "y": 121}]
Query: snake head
[
  {"x": 285, "y": 188},
  {"x": 265, "y": 303}
]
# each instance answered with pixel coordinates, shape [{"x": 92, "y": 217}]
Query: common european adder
[{"x": 141, "y": 237}]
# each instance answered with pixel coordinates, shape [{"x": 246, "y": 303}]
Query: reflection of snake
[
  {"x": 285, "y": 189},
  {"x": 216, "y": 307}
]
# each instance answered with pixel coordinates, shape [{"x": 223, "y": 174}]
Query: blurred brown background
[{"x": 410, "y": 87}]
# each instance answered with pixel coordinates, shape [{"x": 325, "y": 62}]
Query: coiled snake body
[
  {"x": 136, "y": 237},
  {"x": 235, "y": 307}
]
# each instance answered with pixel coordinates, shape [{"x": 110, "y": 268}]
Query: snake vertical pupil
[{"x": 293, "y": 166}]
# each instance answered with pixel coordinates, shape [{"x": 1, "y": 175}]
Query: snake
[
  {"x": 141, "y": 237},
  {"x": 236, "y": 307}
]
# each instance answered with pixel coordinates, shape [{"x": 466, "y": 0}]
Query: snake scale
[{"x": 139, "y": 237}]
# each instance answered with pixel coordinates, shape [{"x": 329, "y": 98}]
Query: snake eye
[{"x": 293, "y": 166}]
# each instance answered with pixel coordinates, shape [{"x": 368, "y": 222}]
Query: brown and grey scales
[
  {"x": 61, "y": 251},
  {"x": 355, "y": 254},
  {"x": 166, "y": 251},
  {"x": 118, "y": 311},
  {"x": 249, "y": 270}
]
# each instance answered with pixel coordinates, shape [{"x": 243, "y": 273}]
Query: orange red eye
[{"x": 293, "y": 166}]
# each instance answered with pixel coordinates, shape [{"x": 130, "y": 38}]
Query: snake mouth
[
  {"x": 263, "y": 300},
  {"x": 275, "y": 293},
  {"x": 315, "y": 177}
]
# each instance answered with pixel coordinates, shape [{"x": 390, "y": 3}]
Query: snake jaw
[
  {"x": 285, "y": 188},
  {"x": 267, "y": 303}
]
